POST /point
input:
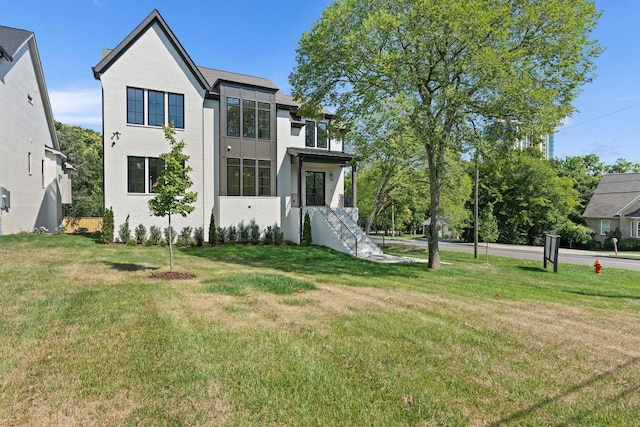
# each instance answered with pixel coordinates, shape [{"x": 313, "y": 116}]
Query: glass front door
[{"x": 314, "y": 185}]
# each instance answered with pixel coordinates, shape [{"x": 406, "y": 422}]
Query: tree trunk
[
  {"x": 170, "y": 246},
  {"x": 435, "y": 157}
]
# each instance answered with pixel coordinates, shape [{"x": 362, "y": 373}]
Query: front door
[{"x": 314, "y": 185}]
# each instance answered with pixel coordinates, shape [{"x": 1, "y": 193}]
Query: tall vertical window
[
  {"x": 176, "y": 110},
  {"x": 135, "y": 174},
  {"x": 264, "y": 120},
  {"x": 264, "y": 178},
  {"x": 248, "y": 177},
  {"x": 42, "y": 171},
  {"x": 248, "y": 118},
  {"x": 310, "y": 133},
  {"x": 156, "y": 170},
  {"x": 156, "y": 108},
  {"x": 233, "y": 177},
  {"x": 322, "y": 135},
  {"x": 135, "y": 106},
  {"x": 233, "y": 117},
  {"x": 29, "y": 163},
  {"x": 605, "y": 226}
]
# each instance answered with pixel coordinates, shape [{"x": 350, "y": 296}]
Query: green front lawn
[{"x": 267, "y": 335}]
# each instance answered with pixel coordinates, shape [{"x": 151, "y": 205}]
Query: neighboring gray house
[
  {"x": 253, "y": 158},
  {"x": 615, "y": 204},
  {"x": 35, "y": 181}
]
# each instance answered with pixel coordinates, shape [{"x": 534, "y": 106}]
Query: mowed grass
[{"x": 268, "y": 335}]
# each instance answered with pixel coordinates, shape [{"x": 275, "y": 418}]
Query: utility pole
[{"x": 475, "y": 207}]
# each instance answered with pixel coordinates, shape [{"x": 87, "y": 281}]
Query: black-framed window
[
  {"x": 176, "y": 110},
  {"x": 233, "y": 177},
  {"x": 264, "y": 178},
  {"x": 248, "y": 177},
  {"x": 135, "y": 106},
  {"x": 264, "y": 120},
  {"x": 233, "y": 117},
  {"x": 322, "y": 135},
  {"x": 248, "y": 118},
  {"x": 135, "y": 174},
  {"x": 143, "y": 173},
  {"x": 156, "y": 108},
  {"x": 310, "y": 133}
]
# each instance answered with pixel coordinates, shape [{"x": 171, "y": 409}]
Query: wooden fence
[{"x": 82, "y": 224}]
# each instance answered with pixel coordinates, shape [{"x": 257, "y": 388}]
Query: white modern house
[
  {"x": 253, "y": 158},
  {"x": 35, "y": 181}
]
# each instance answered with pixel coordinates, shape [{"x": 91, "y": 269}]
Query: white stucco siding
[
  {"x": 264, "y": 211},
  {"x": 25, "y": 134},
  {"x": 152, "y": 63}
]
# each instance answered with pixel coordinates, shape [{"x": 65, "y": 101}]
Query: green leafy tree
[
  {"x": 212, "y": 230},
  {"x": 452, "y": 66},
  {"x": 83, "y": 148},
  {"x": 575, "y": 233},
  {"x": 585, "y": 173},
  {"x": 622, "y": 166},
  {"x": 171, "y": 195}
]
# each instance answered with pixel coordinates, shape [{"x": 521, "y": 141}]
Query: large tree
[
  {"x": 83, "y": 148},
  {"x": 451, "y": 65}
]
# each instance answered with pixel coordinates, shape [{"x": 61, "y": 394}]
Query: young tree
[
  {"x": 171, "y": 195},
  {"x": 451, "y": 65},
  {"x": 488, "y": 229}
]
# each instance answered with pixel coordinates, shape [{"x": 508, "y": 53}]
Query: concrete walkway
[{"x": 391, "y": 259}]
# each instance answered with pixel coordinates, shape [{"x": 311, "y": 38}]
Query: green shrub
[
  {"x": 166, "y": 235},
  {"x": 608, "y": 244},
  {"x": 213, "y": 238},
  {"x": 198, "y": 236},
  {"x": 267, "y": 236},
  {"x": 155, "y": 235},
  {"x": 185, "y": 236},
  {"x": 629, "y": 244},
  {"x": 243, "y": 233},
  {"x": 278, "y": 235},
  {"x": 140, "y": 233},
  {"x": 132, "y": 242},
  {"x": 232, "y": 234},
  {"x": 307, "y": 239},
  {"x": 108, "y": 226},
  {"x": 124, "y": 232},
  {"x": 221, "y": 233},
  {"x": 254, "y": 233}
]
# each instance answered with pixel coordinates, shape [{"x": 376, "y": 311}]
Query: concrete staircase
[{"x": 342, "y": 233}]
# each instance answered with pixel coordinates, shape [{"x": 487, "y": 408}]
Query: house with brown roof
[
  {"x": 615, "y": 205},
  {"x": 35, "y": 180},
  {"x": 253, "y": 158}
]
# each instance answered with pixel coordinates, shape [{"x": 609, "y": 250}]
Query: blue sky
[{"x": 259, "y": 37}]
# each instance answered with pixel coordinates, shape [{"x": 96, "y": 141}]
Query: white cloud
[{"x": 78, "y": 107}]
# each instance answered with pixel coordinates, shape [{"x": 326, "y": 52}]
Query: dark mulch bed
[{"x": 172, "y": 275}]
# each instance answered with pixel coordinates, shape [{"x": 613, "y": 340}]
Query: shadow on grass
[
  {"x": 129, "y": 266},
  {"x": 603, "y": 295},
  {"x": 624, "y": 393},
  {"x": 533, "y": 269},
  {"x": 312, "y": 260}
]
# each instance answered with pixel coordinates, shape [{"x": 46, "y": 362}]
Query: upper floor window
[
  {"x": 157, "y": 104},
  {"x": 176, "y": 110},
  {"x": 310, "y": 133},
  {"x": 156, "y": 108},
  {"x": 254, "y": 116},
  {"x": 233, "y": 117},
  {"x": 135, "y": 106},
  {"x": 322, "y": 135}
]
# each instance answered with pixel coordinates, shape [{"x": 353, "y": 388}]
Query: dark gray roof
[
  {"x": 214, "y": 77},
  {"x": 10, "y": 41},
  {"x": 615, "y": 194}
]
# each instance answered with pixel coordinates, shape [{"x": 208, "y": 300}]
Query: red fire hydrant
[{"x": 598, "y": 266}]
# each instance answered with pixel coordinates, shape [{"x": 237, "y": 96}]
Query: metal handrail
[{"x": 343, "y": 226}]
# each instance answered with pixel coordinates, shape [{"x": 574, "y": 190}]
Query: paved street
[{"x": 571, "y": 256}]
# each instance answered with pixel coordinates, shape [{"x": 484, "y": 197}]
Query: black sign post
[{"x": 551, "y": 247}]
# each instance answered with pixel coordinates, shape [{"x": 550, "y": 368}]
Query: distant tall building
[
  {"x": 545, "y": 143},
  {"x": 507, "y": 131}
]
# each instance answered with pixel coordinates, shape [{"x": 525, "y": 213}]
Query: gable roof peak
[{"x": 109, "y": 57}]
